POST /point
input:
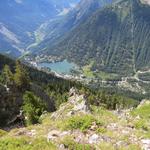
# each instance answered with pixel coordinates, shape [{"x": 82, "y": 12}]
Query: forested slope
[{"x": 116, "y": 39}]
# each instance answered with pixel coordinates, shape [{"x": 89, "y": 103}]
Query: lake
[{"x": 63, "y": 67}]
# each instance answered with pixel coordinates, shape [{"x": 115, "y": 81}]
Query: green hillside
[
  {"x": 34, "y": 91},
  {"x": 115, "y": 38}
]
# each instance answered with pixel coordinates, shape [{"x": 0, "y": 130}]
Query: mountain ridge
[
  {"x": 113, "y": 39},
  {"x": 22, "y": 18}
]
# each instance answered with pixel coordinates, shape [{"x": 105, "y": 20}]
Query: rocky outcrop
[
  {"x": 146, "y": 144},
  {"x": 77, "y": 123},
  {"x": 76, "y": 104}
]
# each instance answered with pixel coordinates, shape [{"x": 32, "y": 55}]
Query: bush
[
  {"x": 81, "y": 122},
  {"x": 101, "y": 130},
  {"x": 33, "y": 108}
]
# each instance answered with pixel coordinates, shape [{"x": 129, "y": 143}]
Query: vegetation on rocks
[
  {"x": 98, "y": 129},
  {"x": 24, "y": 143},
  {"x": 82, "y": 122}
]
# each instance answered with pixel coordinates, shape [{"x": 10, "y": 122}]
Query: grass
[
  {"x": 144, "y": 117},
  {"x": 81, "y": 122},
  {"x": 101, "y": 130},
  {"x": 143, "y": 112},
  {"x": 141, "y": 124},
  {"x": 131, "y": 147},
  {"x": 106, "y": 146},
  {"x": 23, "y": 143},
  {"x": 103, "y": 114},
  {"x": 87, "y": 70},
  {"x": 2, "y": 133},
  {"x": 105, "y": 75}
]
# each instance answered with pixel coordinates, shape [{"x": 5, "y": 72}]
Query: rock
[
  {"x": 137, "y": 117},
  {"x": 31, "y": 133},
  {"x": 61, "y": 147},
  {"x": 73, "y": 91},
  {"x": 71, "y": 113},
  {"x": 21, "y": 132},
  {"x": 52, "y": 135},
  {"x": 24, "y": 131},
  {"x": 119, "y": 143},
  {"x": 112, "y": 126},
  {"x": 130, "y": 125},
  {"x": 145, "y": 144},
  {"x": 80, "y": 137},
  {"x": 94, "y": 139},
  {"x": 76, "y": 104},
  {"x": 81, "y": 104},
  {"x": 94, "y": 126}
]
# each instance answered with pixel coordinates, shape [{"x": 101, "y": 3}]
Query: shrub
[
  {"x": 81, "y": 122},
  {"x": 101, "y": 130},
  {"x": 33, "y": 108}
]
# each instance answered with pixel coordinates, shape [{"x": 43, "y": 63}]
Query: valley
[
  {"x": 67, "y": 70},
  {"x": 74, "y": 74}
]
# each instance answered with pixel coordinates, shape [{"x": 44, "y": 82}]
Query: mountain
[
  {"x": 20, "y": 18},
  {"x": 114, "y": 39},
  {"x": 55, "y": 29}
]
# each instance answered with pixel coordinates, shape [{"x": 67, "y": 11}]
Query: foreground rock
[
  {"x": 76, "y": 104},
  {"x": 146, "y": 144}
]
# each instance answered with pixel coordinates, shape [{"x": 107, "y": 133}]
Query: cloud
[{"x": 19, "y": 1}]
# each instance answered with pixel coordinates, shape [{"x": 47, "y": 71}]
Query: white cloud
[{"x": 19, "y": 1}]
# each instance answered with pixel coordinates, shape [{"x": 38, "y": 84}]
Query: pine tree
[
  {"x": 7, "y": 76},
  {"x": 33, "y": 107},
  {"x": 21, "y": 76}
]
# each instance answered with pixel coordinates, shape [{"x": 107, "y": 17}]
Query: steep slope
[
  {"x": 45, "y": 86},
  {"x": 115, "y": 39},
  {"x": 20, "y": 18},
  {"x": 54, "y": 30},
  {"x": 78, "y": 125}
]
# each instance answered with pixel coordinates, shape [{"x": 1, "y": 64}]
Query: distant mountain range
[
  {"x": 111, "y": 35},
  {"x": 20, "y": 18},
  {"x": 55, "y": 29},
  {"x": 115, "y": 38}
]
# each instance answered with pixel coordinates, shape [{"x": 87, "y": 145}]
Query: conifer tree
[
  {"x": 7, "y": 76},
  {"x": 21, "y": 76}
]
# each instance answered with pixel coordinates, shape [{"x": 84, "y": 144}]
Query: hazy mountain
[
  {"x": 20, "y": 18},
  {"x": 55, "y": 29},
  {"x": 115, "y": 39}
]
